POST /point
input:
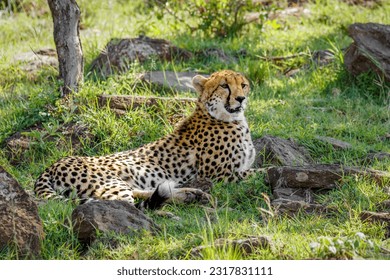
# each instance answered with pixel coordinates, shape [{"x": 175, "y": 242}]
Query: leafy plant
[{"x": 216, "y": 18}]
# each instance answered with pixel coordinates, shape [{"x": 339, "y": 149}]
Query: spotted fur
[{"x": 214, "y": 142}]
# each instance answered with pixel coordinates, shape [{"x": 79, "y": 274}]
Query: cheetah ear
[{"x": 198, "y": 82}]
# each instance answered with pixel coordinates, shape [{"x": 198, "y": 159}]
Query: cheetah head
[{"x": 224, "y": 94}]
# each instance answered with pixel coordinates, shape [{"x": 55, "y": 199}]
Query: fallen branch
[
  {"x": 279, "y": 58},
  {"x": 127, "y": 102}
]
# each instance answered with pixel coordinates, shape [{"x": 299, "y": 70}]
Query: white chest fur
[{"x": 247, "y": 148}]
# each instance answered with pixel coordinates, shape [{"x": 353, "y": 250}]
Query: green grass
[{"x": 318, "y": 101}]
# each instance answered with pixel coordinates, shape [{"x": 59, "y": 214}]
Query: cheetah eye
[
  {"x": 226, "y": 86},
  {"x": 244, "y": 85}
]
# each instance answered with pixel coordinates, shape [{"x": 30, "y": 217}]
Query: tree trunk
[{"x": 66, "y": 19}]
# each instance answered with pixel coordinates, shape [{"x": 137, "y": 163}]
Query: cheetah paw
[{"x": 192, "y": 195}]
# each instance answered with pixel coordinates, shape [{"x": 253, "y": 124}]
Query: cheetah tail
[{"x": 162, "y": 193}]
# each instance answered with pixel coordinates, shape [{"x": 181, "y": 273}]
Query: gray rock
[
  {"x": 119, "y": 54},
  {"x": 109, "y": 216},
  {"x": 319, "y": 176},
  {"x": 385, "y": 137},
  {"x": 323, "y": 57},
  {"x": 370, "y": 49},
  {"x": 385, "y": 205},
  {"x": 365, "y": 3},
  {"x": 337, "y": 144},
  {"x": 380, "y": 156},
  {"x": 291, "y": 207},
  {"x": 277, "y": 151},
  {"x": 294, "y": 194},
  {"x": 20, "y": 226},
  {"x": 377, "y": 217},
  {"x": 176, "y": 81}
]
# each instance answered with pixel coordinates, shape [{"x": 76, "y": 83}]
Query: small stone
[
  {"x": 372, "y": 217},
  {"x": 323, "y": 57},
  {"x": 385, "y": 205},
  {"x": 336, "y": 91},
  {"x": 385, "y": 137},
  {"x": 301, "y": 177},
  {"x": 294, "y": 194},
  {"x": 292, "y": 207},
  {"x": 380, "y": 156},
  {"x": 375, "y": 216},
  {"x": 292, "y": 73}
]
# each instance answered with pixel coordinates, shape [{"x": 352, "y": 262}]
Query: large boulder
[
  {"x": 119, "y": 54},
  {"x": 20, "y": 226},
  {"x": 109, "y": 216},
  {"x": 370, "y": 49}
]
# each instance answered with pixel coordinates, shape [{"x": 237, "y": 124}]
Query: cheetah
[{"x": 214, "y": 143}]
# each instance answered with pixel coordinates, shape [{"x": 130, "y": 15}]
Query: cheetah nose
[{"x": 240, "y": 98}]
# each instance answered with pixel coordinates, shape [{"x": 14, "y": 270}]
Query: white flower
[
  {"x": 340, "y": 242},
  {"x": 332, "y": 249},
  {"x": 314, "y": 245},
  {"x": 360, "y": 235}
]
